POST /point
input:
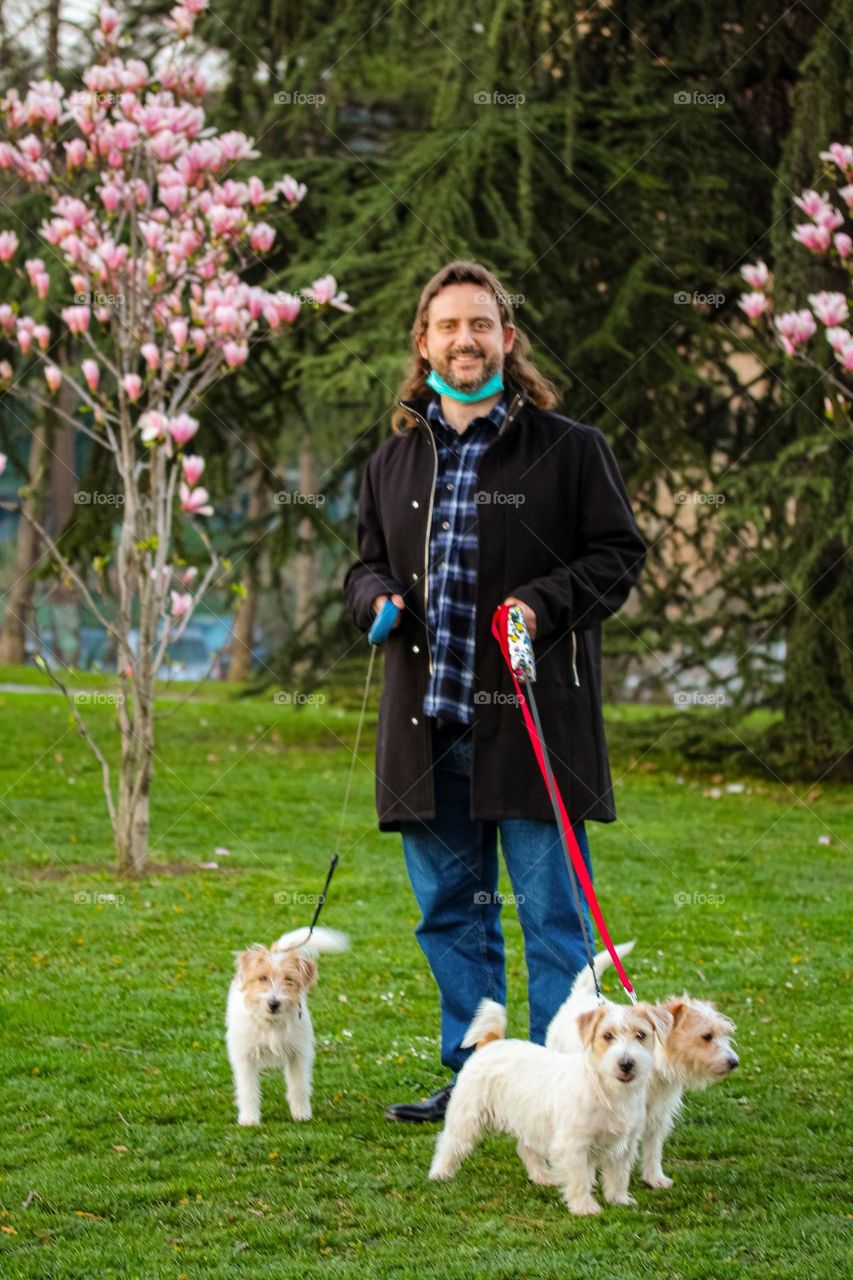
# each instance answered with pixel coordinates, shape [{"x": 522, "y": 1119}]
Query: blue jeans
[{"x": 452, "y": 863}]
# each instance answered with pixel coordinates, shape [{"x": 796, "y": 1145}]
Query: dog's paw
[
  {"x": 542, "y": 1178},
  {"x": 300, "y": 1113},
  {"x": 586, "y": 1206},
  {"x": 248, "y": 1120},
  {"x": 440, "y": 1173},
  {"x": 625, "y": 1198},
  {"x": 658, "y": 1180}
]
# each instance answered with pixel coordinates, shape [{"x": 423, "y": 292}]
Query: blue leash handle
[{"x": 383, "y": 623}]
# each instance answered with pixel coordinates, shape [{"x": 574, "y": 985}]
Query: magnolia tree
[
  {"x": 148, "y": 237},
  {"x": 823, "y": 236}
]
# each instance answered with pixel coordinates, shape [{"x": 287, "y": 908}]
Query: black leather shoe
[{"x": 430, "y": 1109}]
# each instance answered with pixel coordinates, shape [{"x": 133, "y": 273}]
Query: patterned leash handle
[{"x": 507, "y": 622}]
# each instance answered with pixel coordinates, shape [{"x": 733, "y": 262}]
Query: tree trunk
[
  {"x": 240, "y": 666},
  {"x": 19, "y": 597},
  {"x": 304, "y": 562}
]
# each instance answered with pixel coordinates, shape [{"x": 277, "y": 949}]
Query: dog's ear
[
  {"x": 588, "y": 1025},
  {"x": 245, "y": 960},
  {"x": 676, "y": 1006},
  {"x": 306, "y": 970},
  {"x": 661, "y": 1019}
]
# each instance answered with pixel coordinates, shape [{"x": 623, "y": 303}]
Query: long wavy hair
[{"x": 518, "y": 368}]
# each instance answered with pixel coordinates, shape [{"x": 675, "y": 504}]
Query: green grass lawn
[{"x": 120, "y": 1152}]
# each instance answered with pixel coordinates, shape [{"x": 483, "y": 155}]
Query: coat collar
[{"x": 516, "y": 396}]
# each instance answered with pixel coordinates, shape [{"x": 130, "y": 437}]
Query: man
[{"x": 485, "y": 495}]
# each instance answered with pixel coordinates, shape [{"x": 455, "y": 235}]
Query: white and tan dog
[
  {"x": 267, "y": 1019},
  {"x": 569, "y": 1113},
  {"x": 696, "y": 1053}
]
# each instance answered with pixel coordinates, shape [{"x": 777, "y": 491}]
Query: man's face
[{"x": 465, "y": 341}]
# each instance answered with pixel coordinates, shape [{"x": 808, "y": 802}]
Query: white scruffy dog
[
  {"x": 573, "y": 1112},
  {"x": 267, "y": 1019},
  {"x": 697, "y": 1052}
]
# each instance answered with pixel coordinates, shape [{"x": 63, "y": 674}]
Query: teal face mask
[{"x": 494, "y": 384}]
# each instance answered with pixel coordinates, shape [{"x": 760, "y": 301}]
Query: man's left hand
[{"x": 527, "y": 613}]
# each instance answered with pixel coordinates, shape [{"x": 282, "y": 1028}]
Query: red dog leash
[{"x": 574, "y": 857}]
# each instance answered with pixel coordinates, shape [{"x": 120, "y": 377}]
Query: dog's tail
[
  {"x": 584, "y": 984},
  {"x": 489, "y": 1024},
  {"x": 321, "y": 940}
]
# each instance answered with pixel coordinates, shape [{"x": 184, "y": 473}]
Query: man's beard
[{"x": 468, "y": 380}]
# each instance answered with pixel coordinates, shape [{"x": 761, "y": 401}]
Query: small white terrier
[
  {"x": 697, "y": 1052},
  {"x": 267, "y": 1019},
  {"x": 576, "y": 1111}
]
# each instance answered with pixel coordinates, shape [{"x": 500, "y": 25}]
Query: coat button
[
  {"x": 414, "y": 719},
  {"x": 416, "y": 648},
  {"x": 415, "y": 502}
]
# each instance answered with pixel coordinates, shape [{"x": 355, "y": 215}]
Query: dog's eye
[
  {"x": 641, "y": 1035},
  {"x": 608, "y": 1035},
  {"x": 708, "y": 1036}
]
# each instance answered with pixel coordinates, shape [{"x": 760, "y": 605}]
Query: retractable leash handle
[
  {"x": 509, "y": 630},
  {"x": 377, "y": 635}
]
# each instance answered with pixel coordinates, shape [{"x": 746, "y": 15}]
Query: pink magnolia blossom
[
  {"x": 8, "y": 245},
  {"x": 795, "y": 328},
  {"x": 132, "y": 384},
  {"x": 182, "y": 428},
  {"x": 150, "y": 353},
  {"x": 153, "y": 425},
  {"x": 181, "y": 603},
  {"x": 756, "y": 275},
  {"x": 235, "y": 353},
  {"x": 194, "y": 501},
  {"x": 830, "y": 218},
  {"x": 292, "y": 190},
  {"x": 7, "y": 373},
  {"x": 815, "y": 238},
  {"x": 261, "y": 237},
  {"x": 830, "y": 308},
  {"x": 843, "y": 244},
  {"x": 92, "y": 374},
  {"x": 840, "y": 155},
  {"x": 189, "y": 575},
  {"x": 53, "y": 377},
  {"x": 3, "y": 461},
  {"x": 75, "y": 153},
  {"x": 41, "y": 333},
  {"x": 192, "y": 466},
  {"x": 811, "y": 202},
  {"x": 179, "y": 330},
  {"x": 754, "y": 304},
  {"x": 25, "y": 334},
  {"x": 77, "y": 318},
  {"x": 838, "y": 337}
]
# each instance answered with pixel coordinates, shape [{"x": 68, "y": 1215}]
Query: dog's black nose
[
  {"x": 626, "y": 1065},
  {"x": 731, "y": 1063},
  {"x": 275, "y": 1005}
]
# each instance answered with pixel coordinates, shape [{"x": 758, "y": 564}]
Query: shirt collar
[{"x": 495, "y": 416}]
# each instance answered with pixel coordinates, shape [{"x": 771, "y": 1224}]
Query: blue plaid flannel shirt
[{"x": 452, "y": 597}]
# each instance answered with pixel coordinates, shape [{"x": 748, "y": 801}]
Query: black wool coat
[{"x": 555, "y": 529}]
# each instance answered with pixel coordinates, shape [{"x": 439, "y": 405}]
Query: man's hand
[
  {"x": 398, "y": 600},
  {"x": 527, "y": 613}
]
